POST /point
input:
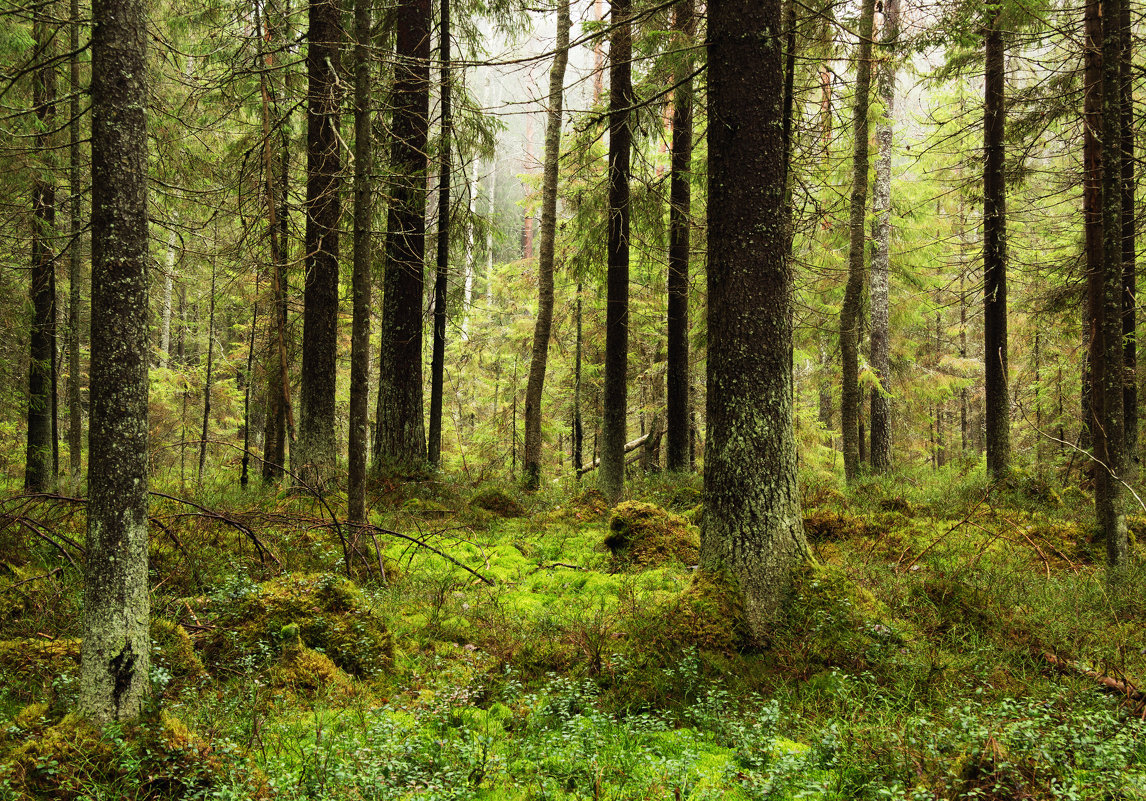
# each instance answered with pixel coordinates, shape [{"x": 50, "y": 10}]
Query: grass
[{"x": 910, "y": 663}]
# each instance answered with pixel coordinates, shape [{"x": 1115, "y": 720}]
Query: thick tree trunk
[
  {"x": 851, "y": 396},
  {"x": 611, "y": 478},
  {"x": 753, "y": 525},
  {"x": 442, "y": 274},
  {"x": 998, "y": 428},
  {"x": 38, "y": 472},
  {"x": 881, "y": 248},
  {"x": 548, "y": 234},
  {"x": 1108, "y": 356},
  {"x": 1129, "y": 218},
  {"x": 317, "y": 452},
  {"x": 75, "y": 405},
  {"x": 401, "y": 433},
  {"x": 116, "y": 643},
  {"x": 360, "y": 325},
  {"x": 680, "y": 211}
]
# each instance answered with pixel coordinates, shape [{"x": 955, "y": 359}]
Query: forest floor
[{"x": 950, "y": 643}]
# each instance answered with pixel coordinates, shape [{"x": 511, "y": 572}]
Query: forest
[{"x": 480, "y": 399}]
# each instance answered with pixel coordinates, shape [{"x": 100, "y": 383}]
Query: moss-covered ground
[{"x": 475, "y": 642}]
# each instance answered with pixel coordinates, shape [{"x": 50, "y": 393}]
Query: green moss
[
  {"x": 173, "y": 650},
  {"x": 498, "y": 501},
  {"x": 331, "y": 613},
  {"x": 304, "y": 670},
  {"x": 642, "y": 535},
  {"x": 707, "y": 614},
  {"x": 29, "y": 665}
]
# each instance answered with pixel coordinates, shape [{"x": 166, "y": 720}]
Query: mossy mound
[
  {"x": 305, "y": 671},
  {"x": 642, "y": 535},
  {"x": 157, "y": 759},
  {"x": 498, "y": 502},
  {"x": 823, "y": 524},
  {"x": 708, "y": 614},
  {"x": 172, "y": 650},
  {"x": 331, "y": 613},
  {"x": 29, "y": 665}
]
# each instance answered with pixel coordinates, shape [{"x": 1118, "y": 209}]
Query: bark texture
[
  {"x": 360, "y": 325},
  {"x": 442, "y": 273},
  {"x": 1129, "y": 241},
  {"x": 316, "y": 452},
  {"x": 851, "y": 397},
  {"x": 680, "y": 211},
  {"x": 753, "y": 525},
  {"x": 75, "y": 264},
  {"x": 998, "y": 402},
  {"x": 115, "y": 652},
  {"x": 881, "y": 248},
  {"x": 543, "y": 326},
  {"x": 401, "y": 435},
  {"x": 611, "y": 478}
]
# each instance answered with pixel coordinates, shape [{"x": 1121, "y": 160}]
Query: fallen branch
[
  {"x": 629, "y": 446},
  {"x": 1133, "y": 697},
  {"x": 423, "y": 544}
]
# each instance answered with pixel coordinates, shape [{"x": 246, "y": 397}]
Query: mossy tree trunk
[
  {"x": 400, "y": 435},
  {"x": 360, "y": 325},
  {"x": 753, "y": 526},
  {"x": 317, "y": 451},
  {"x": 611, "y": 476},
  {"x": 116, "y": 641},
  {"x": 680, "y": 201},
  {"x": 851, "y": 396},
  {"x": 543, "y": 326}
]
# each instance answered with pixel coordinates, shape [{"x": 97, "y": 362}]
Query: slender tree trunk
[
  {"x": 1129, "y": 242},
  {"x": 851, "y": 312},
  {"x": 363, "y": 212},
  {"x": 38, "y": 474},
  {"x": 442, "y": 274},
  {"x": 248, "y": 381},
  {"x": 995, "y": 257},
  {"x": 753, "y": 525},
  {"x": 548, "y": 234},
  {"x": 881, "y": 248},
  {"x": 611, "y": 476},
  {"x": 75, "y": 407},
  {"x": 210, "y": 363},
  {"x": 317, "y": 452},
  {"x": 680, "y": 202},
  {"x": 115, "y": 654},
  {"x": 401, "y": 433},
  {"x": 577, "y": 456},
  {"x": 168, "y": 290}
]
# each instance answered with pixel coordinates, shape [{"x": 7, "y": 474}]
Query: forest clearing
[{"x": 414, "y": 400}]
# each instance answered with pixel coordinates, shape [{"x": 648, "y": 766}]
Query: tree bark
[
  {"x": 881, "y": 248},
  {"x": 577, "y": 434},
  {"x": 851, "y": 398},
  {"x": 316, "y": 454},
  {"x": 401, "y": 433},
  {"x": 38, "y": 472},
  {"x": 116, "y": 642},
  {"x": 210, "y": 364},
  {"x": 543, "y": 326},
  {"x": 363, "y": 212},
  {"x": 680, "y": 202},
  {"x": 753, "y": 525},
  {"x": 1129, "y": 267},
  {"x": 998, "y": 402},
  {"x": 442, "y": 273},
  {"x": 611, "y": 478}
]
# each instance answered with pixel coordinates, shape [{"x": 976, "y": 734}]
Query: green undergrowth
[{"x": 937, "y": 647}]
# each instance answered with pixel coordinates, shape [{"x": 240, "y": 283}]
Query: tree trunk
[
  {"x": 998, "y": 431},
  {"x": 1129, "y": 270},
  {"x": 75, "y": 405},
  {"x": 441, "y": 276},
  {"x": 851, "y": 312},
  {"x": 881, "y": 249},
  {"x": 168, "y": 290},
  {"x": 578, "y": 434},
  {"x": 753, "y": 525},
  {"x": 115, "y": 654},
  {"x": 38, "y": 473},
  {"x": 317, "y": 452},
  {"x": 248, "y": 382},
  {"x": 401, "y": 433},
  {"x": 611, "y": 478},
  {"x": 680, "y": 201},
  {"x": 360, "y": 326},
  {"x": 544, "y": 325},
  {"x": 210, "y": 364}
]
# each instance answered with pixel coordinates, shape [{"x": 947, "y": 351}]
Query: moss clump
[
  {"x": 173, "y": 651},
  {"x": 708, "y": 614},
  {"x": 828, "y": 525},
  {"x": 331, "y": 613},
  {"x": 497, "y": 501},
  {"x": 642, "y": 535},
  {"x": 304, "y": 670},
  {"x": 61, "y": 761},
  {"x": 29, "y": 665}
]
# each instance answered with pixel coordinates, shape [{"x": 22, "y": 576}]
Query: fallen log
[
  {"x": 1133, "y": 697},
  {"x": 629, "y": 446}
]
